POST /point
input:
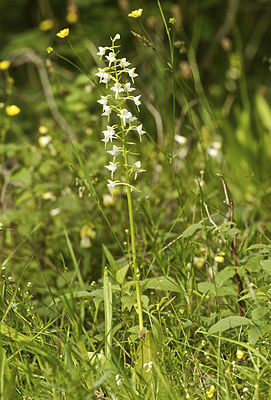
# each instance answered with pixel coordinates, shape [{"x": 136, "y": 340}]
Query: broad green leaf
[
  {"x": 146, "y": 354},
  {"x": 259, "y": 246},
  {"x": 254, "y": 333},
  {"x": 121, "y": 274},
  {"x": 264, "y": 111},
  {"x": 216, "y": 290},
  {"x": 224, "y": 275},
  {"x": 13, "y": 334},
  {"x": 78, "y": 294},
  {"x": 23, "y": 175},
  {"x": 191, "y": 230},
  {"x": 128, "y": 302},
  {"x": 260, "y": 315},
  {"x": 266, "y": 264},
  {"x": 229, "y": 323},
  {"x": 113, "y": 265},
  {"x": 161, "y": 283}
]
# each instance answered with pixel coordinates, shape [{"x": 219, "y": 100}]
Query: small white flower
[
  {"x": 111, "y": 58},
  {"x": 245, "y": 389},
  {"x": 124, "y": 63},
  {"x": 104, "y": 76},
  {"x": 14, "y": 305},
  {"x": 131, "y": 119},
  {"x": 136, "y": 100},
  {"x": 117, "y": 88},
  {"x": 137, "y": 168},
  {"x": 132, "y": 74},
  {"x": 55, "y": 211},
  {"x": 108, "y": 200},
  {"x": 107, "y": 111},
  {"x": 44, "y": 140},
  {"x": 101, "y": 51},
  {"x": 118, "y": 380},
  {"x": 48, "y": 196},
  {"x": 109, "y": 134},
  {"x": 85, "y": 242},
  {"x": 180, "y": 139},
  {"x": 212, "y": 152},
  {"x": 112, "y": 167},
  {"x": 115, "y": 152},
  {"x": 117, "y": 37},
  {"x": 148, "y": 366},
  {"x": 127, "y": 87},
  {"x": 111, "y": 185},
  {"x": 103, "y": 101},
  {"x": 139, "y": 131},
  {"x": 125, "y": 115}
]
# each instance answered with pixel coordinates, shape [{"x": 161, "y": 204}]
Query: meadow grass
[{"x": 166, "y": 294}]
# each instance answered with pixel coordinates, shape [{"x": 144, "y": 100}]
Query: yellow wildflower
[
  {"x": 46, "y": 25},
  {"x": 198, "y": 261},
  {"x": 87, "y": 231},
  {"x": 86, "y": 234},
  {"x": 210, "y": 392},
  {"x": 63, "y": 33},
  {"x": 49, "y": 49},
  {"x": 12, "y": 110},
  {"x": 43, "y": 130},
  {"x": 136, "y": 13},
  {"x": 239, "y": 354},
  {"x": 4, "y": 65},
  {"x": 219, "y": 259},
  {"x": 72, "y": 17}
]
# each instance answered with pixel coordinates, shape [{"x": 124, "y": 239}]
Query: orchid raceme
[
  {"x": 122, "y": 126},
  {"x": 118, "y": 77}
]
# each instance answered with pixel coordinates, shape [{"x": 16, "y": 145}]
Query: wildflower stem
[
  {"x": 132, "y": 235},
  {"x": 79, "y": 58}
]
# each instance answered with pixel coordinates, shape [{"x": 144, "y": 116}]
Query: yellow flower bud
[
  {"x": 219, "y": 259},
  {"x": 12, "y": 110},
  {"x": 43, "y": 130},
  {"x": 198, "y": 262},
  {"x": 4, "y": 65},
  {"x": 239, "y": 354},
  {"x": 72, "y": 17},
  {"x": 210, "y": 392},
  {"x": 46, "y": 25}
]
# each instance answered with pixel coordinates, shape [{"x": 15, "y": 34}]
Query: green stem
[
  {"x": 171, "y": 66},
  {"x": 132, "y": 235}
]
